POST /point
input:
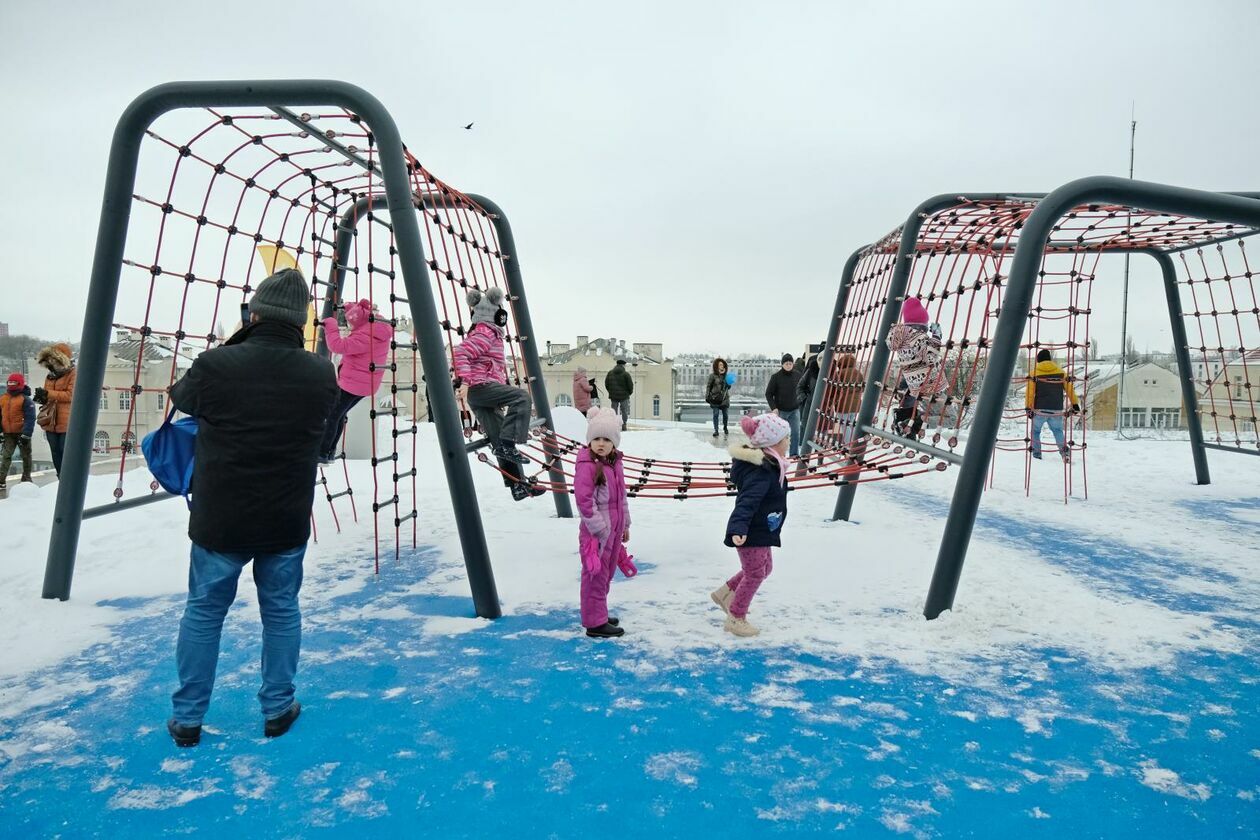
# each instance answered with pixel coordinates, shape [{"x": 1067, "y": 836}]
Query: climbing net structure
[
  {"x": 957, "y": 267},
  {"x": 226, "y": 196}
]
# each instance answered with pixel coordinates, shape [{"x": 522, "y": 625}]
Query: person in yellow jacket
[{"x": 1043, "y": 402}]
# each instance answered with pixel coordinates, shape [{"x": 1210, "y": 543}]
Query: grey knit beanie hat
[
  {"x": 485, "y": 306},
  {"x": 284, "y": 297}
]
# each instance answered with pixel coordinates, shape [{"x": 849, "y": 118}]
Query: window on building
[
  {"x": 1133, "y": 418},
  {"x": 161, "y": 401},
  {"x": 1165, "y": 418},
  {"x": 104, "y": 400},
  {"x": 100, "y": 443},
  {"x": 124, "y": 401},
  {"x": 564, "y": 399},
  {"x": 129, "y": 442},
  {"x": 1237, "y": 386},
  {"x": 656, "y": 405}
]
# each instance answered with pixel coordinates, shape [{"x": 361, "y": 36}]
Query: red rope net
[{"x": 959, "y": 267}]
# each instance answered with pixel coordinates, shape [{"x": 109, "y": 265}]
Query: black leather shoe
[
  {"x": 277, "y": 726},
  {"x": 184, "y": 736},
  {"x": 605, "y": 631}
]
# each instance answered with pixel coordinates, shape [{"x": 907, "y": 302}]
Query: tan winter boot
[
  {"x": 722, "y": 597},
  {"x": 740, "y": 626}
]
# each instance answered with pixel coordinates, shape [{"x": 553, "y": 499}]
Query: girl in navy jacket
[{"x": 759, "y": 471}]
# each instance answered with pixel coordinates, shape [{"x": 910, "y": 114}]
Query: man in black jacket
[
  {"x": 620, "y": 385},
  {"x": 783, "y": 401},
  {"x": 260, "y": 400}
]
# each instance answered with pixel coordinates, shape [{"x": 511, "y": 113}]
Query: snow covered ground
[{"x": 1098, "y": 676}]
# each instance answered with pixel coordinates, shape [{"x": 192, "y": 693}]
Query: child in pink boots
[
  {"x": 759, "y": 471},
  {"x": 599, "y": 484},
  {"x": 364, "y": 354}
]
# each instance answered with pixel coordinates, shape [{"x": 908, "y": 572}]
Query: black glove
[
  {"x": 1076, "y": 409},
  {"x": 1029, "y": 412},
  {"x": 41, "y": 396}
]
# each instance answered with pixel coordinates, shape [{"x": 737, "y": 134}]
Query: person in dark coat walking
[
  {"x": 782, "y": 398},
  {"x": 261, "y": 402},
  {"x": 717, "y": 393},
  {"x": 620, "y": 386}
]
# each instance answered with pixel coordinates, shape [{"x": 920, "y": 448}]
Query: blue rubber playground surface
[{"x": 524, "y": 728}]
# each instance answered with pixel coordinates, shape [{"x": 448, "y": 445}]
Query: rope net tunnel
[
  {"x": 225, "y": 197},
  {"x": 957, "y": 268}
]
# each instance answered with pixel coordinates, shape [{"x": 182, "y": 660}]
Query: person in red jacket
[{"x": 17, "y": 416}]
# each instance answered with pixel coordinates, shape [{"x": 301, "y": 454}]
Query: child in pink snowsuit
[
  {"x": 363, "y": 356},
  {"x": 759, "y": 472},
  {"x": 599, "y": 484}
]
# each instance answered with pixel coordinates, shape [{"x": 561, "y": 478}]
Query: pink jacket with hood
[{"x": 368, "y": 344}]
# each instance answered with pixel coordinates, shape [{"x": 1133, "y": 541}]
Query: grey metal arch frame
[
  {"x": 829, "y": 351},
  {"x": 1021, "y": 285},
  {"x": 520, "y": 307},
  {"x": 103, "y": 295}
]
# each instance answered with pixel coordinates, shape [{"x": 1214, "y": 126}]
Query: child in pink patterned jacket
[
  {"x": 917, "y": 347},
  {"x": 599, "y": 484},
  {"x": 364, "y": 353}
]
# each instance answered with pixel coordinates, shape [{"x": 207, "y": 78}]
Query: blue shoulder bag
[{"x": 169, "y": 452}]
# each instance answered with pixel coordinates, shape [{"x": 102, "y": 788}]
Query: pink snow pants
[
  {"x": 595, "y": 586},
  {"x": 755, "y": 566}
]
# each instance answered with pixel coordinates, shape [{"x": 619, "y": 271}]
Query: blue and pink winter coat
[
  {"x": 604, "y": 509},
  {"x": 479, "y": 358},
  {"x": 364, "y": 353}
]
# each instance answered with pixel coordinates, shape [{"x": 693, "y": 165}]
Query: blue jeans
[
  {"x": 724, "y": 411},
  {"x": 794, "y": 420},
  {"x": 1055, "y": 422},
  {"x": 212, "y": 578},
  {"x": 57, "y": 446}
]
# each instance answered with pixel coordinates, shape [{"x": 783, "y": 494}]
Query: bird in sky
[{"x": 470, "y": 125}]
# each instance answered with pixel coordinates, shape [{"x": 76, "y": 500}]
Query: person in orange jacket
[
  {"x": 1043, "y": 402},
  {"x": 55, "y": 397},
  {"x": 17, "y": 416}
]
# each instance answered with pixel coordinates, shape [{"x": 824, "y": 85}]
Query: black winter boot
[
  {"x": 607, "y": 630},
  {"x": 507, "y": 452},
  {"x": 522, "y": 491}
]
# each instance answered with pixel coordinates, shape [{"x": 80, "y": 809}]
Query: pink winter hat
[
  {"x": 912, "y": 312},
  {"x": 357, "y": 312},
  {"x": 765, "y": 430},
  {"x": 603, "y": 423}
]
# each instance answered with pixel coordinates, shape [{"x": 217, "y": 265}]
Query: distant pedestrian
[
  {"x": 261, "y": 401},
  {"x": 55, "y": 398},
  {"x": 17, "y": 417},
  {"x": 620, "y": 386},
  {"x": 781, "y": 395},
  {"x": 364, "y": 357},
  {"x": 599, "y": 485},
  {"x": 717, "y": 393},
  {"x": 583, "y": 390},
  {"x": 759, "y": 473},
  {"x": 849, "y": 382},
  {"x": 1044, "y": 402}
]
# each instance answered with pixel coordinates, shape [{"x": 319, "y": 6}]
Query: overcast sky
[{"x": 688, "y": 173}]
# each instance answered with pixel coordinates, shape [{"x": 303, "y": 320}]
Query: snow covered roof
[{"x": 599, "y": 348}]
